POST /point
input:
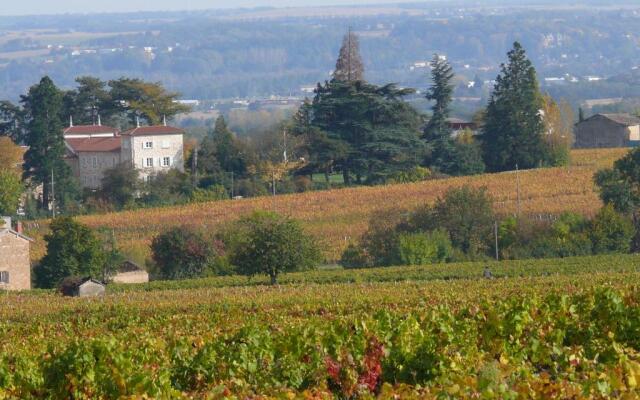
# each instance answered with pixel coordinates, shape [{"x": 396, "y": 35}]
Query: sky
[{"x": 31, "y": 7}]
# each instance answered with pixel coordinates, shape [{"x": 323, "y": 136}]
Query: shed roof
[
  {"x": 95, "y": 144},
  {"x": 153, "y": 130},
  {"x": 89, "y": 280},
  {"x": 11, "y": 231},
  {"x": 622, "y": 119}
]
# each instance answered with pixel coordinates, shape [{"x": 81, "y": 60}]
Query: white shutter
[
  {"x": 170, "y": 161},
  {"x": 143, "y": 164}
]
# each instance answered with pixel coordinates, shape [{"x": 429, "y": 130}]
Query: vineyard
[
  {"x": 337, "y": 216},
  {"x": 557, "y": 332}
]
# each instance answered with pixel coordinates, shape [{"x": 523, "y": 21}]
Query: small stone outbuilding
[
  {"x": 130, "y": 272},
  {"x": 82, "y": 287},
  {"x": 15, "y": 261},
  {"x": 608, "y": 130}
]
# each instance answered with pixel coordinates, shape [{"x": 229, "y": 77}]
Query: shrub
[
  {"x": 183, "y": 253},
  {"x": 424, "y": 248},
  {"x": 72, "y": 250},
  {"x": 380, "y": 241},
  {"x": 354, "y": 256},
  {"x": 268, "y": 243},
  {"x": 610, "y": 232},
  {"x": 212, "y": 193},
  {"x": 467, "y": 214}
]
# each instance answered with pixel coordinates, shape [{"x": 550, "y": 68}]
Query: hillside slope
[{"x": 337, "y": 216}]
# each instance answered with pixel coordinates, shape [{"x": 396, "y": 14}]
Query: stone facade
[
  {"x": 92, "y": 165},
  {"x": 607, "y": 130},
  {"x": 152, "y": 150},
  {"x": 131, "y": 277},
  {"x": 91, "y": 150},
  {"x": 90, "y": 288},
  {"x": 15, "y": 264}
]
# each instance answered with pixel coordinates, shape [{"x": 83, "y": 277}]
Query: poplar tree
[
  {"x": 437, "y": 133},
  {"x": 513, "y": 130},
  {"x": 349, "y": 66},
  {"x": 45, "y": 157}
]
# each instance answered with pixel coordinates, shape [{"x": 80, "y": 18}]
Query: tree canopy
[
  {"x": 513, "y": 130},
  {"x": 72, "y": 250}
]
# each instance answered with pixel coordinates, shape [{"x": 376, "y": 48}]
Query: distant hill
[
  {"x": 337, "y": 216},
  {"x": 225, "y": 54}
]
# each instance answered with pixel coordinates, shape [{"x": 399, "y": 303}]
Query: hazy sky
[{"x": 27, "y": 7}]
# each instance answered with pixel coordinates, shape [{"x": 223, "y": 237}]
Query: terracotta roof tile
[
  {"x": 89, "y": 129},
  {"x": 97, "y": 144},
  {"x": 153, "y": 130}
]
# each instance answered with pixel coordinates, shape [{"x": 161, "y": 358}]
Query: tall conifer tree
[
  {"x": 349, "y": 66},
  {"x": 437, "y": 133},
  {"x": 513, "y": 130},
  {"x": 44, "y": 159}
]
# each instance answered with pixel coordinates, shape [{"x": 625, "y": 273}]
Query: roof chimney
[
  {"x": 19, "y": 227},
  {"x": 70, "y": 121},
  {"x": 99, "y": 122},
  {"x": 137, "y": 121},
  {"x": 164, "y": 120}
]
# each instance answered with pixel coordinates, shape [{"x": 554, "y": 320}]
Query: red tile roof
[
  {"x": 89, "y": 129},
  {"x": 97, "y": 144},
  {"x": 153, "y": 130}
]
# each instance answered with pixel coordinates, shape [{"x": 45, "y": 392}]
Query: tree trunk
[
  {"x": 274, "y": 278},
  {"x": 345, "y": 177},
  {"x": 45, "y": 195}
]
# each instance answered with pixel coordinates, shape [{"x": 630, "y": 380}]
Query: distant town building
[
  {"x": 608, "y": 130},
  {"x": 15, "y": 261},
  {"x": 93, "y": 149}
]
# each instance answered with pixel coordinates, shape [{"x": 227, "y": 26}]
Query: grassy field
[
  {"x": 336, "y": 217},
  {"x": 570, "y": 332}
]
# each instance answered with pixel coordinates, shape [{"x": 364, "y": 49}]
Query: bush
[
  {"x": 212, "y": 193},
  {"x": 72, "y": 250},
  {"x": 355, "y": 256},
  {"x": 267, "y": 243},
  {"x": 183, "y": 253},
  {"x": 424, "y": 248},
  {"x": 467, "y": 214},
  {"x": 610, "y": 232}
]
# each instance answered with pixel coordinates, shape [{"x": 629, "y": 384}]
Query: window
[
  {"x": 4, "y": 276},
  {"x": 165, "y": 144},
  {"x": 149, "y": 162},
  {"x": 166, "y": 161},
  {"x": 148, "y": 145}
]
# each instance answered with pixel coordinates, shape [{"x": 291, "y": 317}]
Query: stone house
[
  {"x": 130, "y": 272},
  {"x": 93, "y": 149},
  {"x": 15, "y": 261},
  {"x": 607, "y": 130}
]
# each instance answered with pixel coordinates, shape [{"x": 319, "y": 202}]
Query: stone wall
[
  {"x": 14, "y": 259},
  {"x": 131, "y": 277}
]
